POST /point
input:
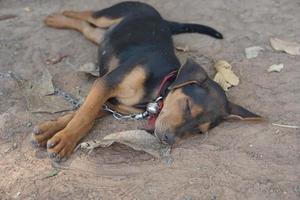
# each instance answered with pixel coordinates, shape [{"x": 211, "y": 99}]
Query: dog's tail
[{"x": 178, "y": 28}]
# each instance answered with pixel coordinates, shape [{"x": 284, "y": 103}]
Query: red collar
[
  {"x": 162, "y": 91},
  {"x": 162, "y": 87}
]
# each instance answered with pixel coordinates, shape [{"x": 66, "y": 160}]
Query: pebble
[
  {"x": 29, "y": 124},
  {"x": 17, "y": 195}
]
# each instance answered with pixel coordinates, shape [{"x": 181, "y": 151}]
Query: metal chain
[
  {"x": 119, "y": 116},
  {"x": 76, "y": 103},
  {"x": 138, "y": 116}
]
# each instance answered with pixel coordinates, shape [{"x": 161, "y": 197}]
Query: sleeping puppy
[
  {"x": 195, "y": 104},
  {"x": 138, "y": 65}
]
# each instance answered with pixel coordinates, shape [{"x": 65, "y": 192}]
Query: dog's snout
[{"x": 167, "y": 137}]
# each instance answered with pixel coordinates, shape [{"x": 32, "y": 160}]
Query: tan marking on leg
[
  {"x": 82, "y": 122},
  {"x": 130, "y": 91},
  {"x": 104, "y": 22},
  {"x": 57, "y": 20},
  {"x": 82, "y": 15},
  {"x": 93, "y": 34},
  {"x": 101, "y": 22},
  {"x": 60, "y": 21}
]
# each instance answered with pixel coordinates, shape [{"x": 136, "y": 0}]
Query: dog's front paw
[
  {"x": 61, "y": 145},
  {"x": 43, "y": 132}
]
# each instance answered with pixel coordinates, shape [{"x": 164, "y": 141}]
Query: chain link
[
  {"x": 119, "y": 116},
  {"x": 138, "y": 116}
]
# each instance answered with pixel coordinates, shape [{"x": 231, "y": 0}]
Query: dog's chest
[{"x": 131, "y": 90}]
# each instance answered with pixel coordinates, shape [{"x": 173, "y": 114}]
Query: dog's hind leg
[
  {"x": 112, "y": 15},
  {"x": 101, "y": 21},
  {"x": 60, "y": 21}
]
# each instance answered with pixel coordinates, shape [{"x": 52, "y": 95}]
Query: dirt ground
[{"x": 232, "y": 161}]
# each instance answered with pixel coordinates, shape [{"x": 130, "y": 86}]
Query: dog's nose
[{"x": 167, "y": 137}]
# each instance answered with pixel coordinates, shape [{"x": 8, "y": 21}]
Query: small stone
[
  {"x": 90, "y": 68},
  {"x": 27, "y": 9},
  {"x": 297, "y": 189},
  {"x": 252, "y": 52},
  {"x": 188, "y": 198},
  {"x": 275, "y": 68},
  {"x": 250, "y": 145},
  {"x": 29, "y": 124},
  {"x": 17, "y": 195}
]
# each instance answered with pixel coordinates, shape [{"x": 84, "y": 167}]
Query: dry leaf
[
  {"x": 252, "y": 52},
  {"x": 225, "y": 76},
  {"x": 291, "y": 48},
  {"x": 89, "y": 68},
  {"x": 27, "y": 9},
  {"x": 275, "y": 68},
  {"x": 139, "y": 140}
]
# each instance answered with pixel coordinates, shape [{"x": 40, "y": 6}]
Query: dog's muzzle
[{"x": 166, "y": 137}]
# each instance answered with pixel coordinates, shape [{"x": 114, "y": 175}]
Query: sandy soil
[{"x": 233, "y": 161}]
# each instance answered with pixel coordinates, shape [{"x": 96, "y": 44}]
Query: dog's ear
[
  {"x": 190, "y": 72},
  {"x": 236, "y": 112}
]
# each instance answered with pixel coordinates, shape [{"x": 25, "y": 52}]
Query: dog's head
[{"x": 194, "y": 104}]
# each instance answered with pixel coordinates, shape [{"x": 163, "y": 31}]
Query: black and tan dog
[{"x": 135, "y": 54}]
